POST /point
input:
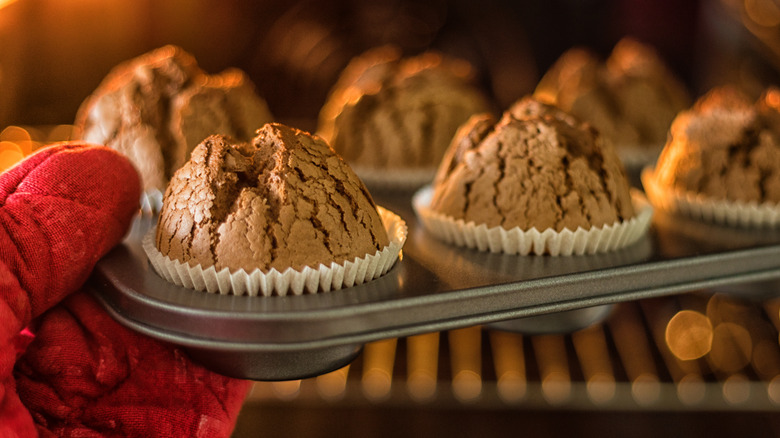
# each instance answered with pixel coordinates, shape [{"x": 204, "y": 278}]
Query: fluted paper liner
[
  {"x": 524, "y": 242},
  {"x": 296, "y": 282},
  {"x": 701, "y": 207}
]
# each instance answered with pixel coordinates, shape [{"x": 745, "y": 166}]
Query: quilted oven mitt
[{"x": 66, "y": 368}]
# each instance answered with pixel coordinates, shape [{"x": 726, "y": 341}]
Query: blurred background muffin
[{"x": 387, "y": 114}]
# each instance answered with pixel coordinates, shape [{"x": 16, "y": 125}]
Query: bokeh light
[{"x": 689, "y": 335}]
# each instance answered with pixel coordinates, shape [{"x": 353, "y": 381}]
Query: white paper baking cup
[
  {"x": 290, "y": 282},
  {"x": 701, "y": 207},
  {"x": 525, "y": 242},
  {"x": 395, "y": 179}
]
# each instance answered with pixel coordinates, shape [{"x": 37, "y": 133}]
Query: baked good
[
  {"x": 725, "y": 148},
  {"x": 157, "y": 107},
  {"x": 631, "y": 97},
  {"x": 387, "y": 112},
  {"x": 283, "y": 200},
  {"x": 537, "y": 167}
]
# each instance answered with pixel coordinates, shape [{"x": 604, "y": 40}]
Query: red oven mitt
[{"x": 66, "y": 368}]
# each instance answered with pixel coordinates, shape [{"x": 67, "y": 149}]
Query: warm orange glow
[
  {"x": 333, "y": 385},
  {"x": 4, "y": 3},
  {"x": 509, "y": 361},
  {"x": 466, "y": 355},
  {"x": 378, "y": 360},
  {"x": 762, "y": 12},
  {"x": 423, "y": 362},
  {"x": 10, "y": 154},
  {"x": 286, "y": 390},
  {"x": 689, "y": 335},
  {"x": 732, "y": 347},
  {"x": 646, "y": 389},
  {"x": 736, "y": 389},
  {"x": 691, "y": 389}
]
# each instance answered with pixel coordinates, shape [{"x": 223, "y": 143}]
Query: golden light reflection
[
  {"x": 466, "y": 357},
  {"x": 332, "y": 386},
  {"x": 377, "y": 377},
  {"x": 601, "y": 388},
  {"x": 467, "y": 385},
  {"x": 17, "y": 142},
  {"x": 553, "y": 367},
  {"x": 591, "y": 347},
  {"x": 423, "y": 363},
  {"x": 766, "y": 359},
  {"x": 4, "y": 3},
  {"x": 732, "y": 347},
  {"x": 763, "y": 12},
  {"x": 646, "y": 389},
  {"x": 286, "y": 390},
  {"x": 689, "y": 335},
  {"x": 736, "y": 389},
  {"x": 773, "y": 390},
  {"x": 691, "y": 389},
  {"x": 509, "y": 361}
]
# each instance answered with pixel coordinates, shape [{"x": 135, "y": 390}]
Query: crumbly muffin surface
[
  {"x": 725, "y": 147},
  {"x": 157, "y": 107},
  {"x": 537, "y": 167},
  {"x": 631, "y": 97},
  {"x": 388, "y": 112},
  {"x": 284, "y": 200}
]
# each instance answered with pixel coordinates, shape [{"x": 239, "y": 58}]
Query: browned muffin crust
[
  {"x": 389, "y": 112},
  {"x": 535, "y": 168},
  {"x": 725, "y": 147},
  {"x": 631, "y": 97},
  {"x": 157, "y": 107},
  {"x": 285, "y": 200}
]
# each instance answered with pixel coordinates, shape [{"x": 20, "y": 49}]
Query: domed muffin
[
  {"x": 537, "y": 168},
  {"x": 157, "y": 107},
  {"x": 388, "y": 114},
  {"x": 284, "y": 201},
  {"x": 631, "y": 98},
  {"x": 725, "y": 149}
]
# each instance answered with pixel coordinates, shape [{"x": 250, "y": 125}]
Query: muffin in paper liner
[
  {"x": 324, "y": 279},
  {"x": 525, "y": 242},
  {"x": 701, "y": 207}
]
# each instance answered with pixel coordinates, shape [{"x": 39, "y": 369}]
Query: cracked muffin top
[
  {"x": 285, "y": 200},
  {"x": 157, "y": 107},
  {"x": 537, "y": 167},
  {"x": 389, "y": 112},
  {"x": 725, "y": 147},
  {"x": 631, "y": 97}
]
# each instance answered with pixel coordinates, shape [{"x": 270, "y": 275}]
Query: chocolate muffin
[
  {"x": 631, "y": 97},
  {"x": 283, "y": 200},
  {"x": 387, "y": 112},
  {"x": 157, "y": 107},
  {"x": 726, "y": 147},
  {"x": 537, "y": 167}
]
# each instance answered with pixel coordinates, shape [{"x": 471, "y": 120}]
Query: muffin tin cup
[
  {"x": 525, "y": 242},
  {"x": 289, "y": 282},
  {"x": 697, "y": 206}
]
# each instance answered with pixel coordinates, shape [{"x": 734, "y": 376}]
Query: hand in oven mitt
[{"x": 66, "y": 368}]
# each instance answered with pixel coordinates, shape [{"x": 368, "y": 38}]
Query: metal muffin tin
[{"x": 433, "y": 287}]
